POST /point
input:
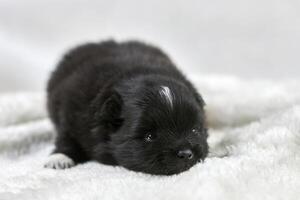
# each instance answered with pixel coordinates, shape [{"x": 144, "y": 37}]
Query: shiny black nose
[{"x": 185, "y": 154}]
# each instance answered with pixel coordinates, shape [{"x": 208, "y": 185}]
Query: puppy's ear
[{"x": 108, "y": 109}]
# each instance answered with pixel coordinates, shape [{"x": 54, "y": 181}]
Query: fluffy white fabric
[{"x": 254, "y": 139}]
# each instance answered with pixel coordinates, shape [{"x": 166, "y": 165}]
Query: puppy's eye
[
  {"x": 149, "y": 137},
  {"x": 196, "y": 131}
]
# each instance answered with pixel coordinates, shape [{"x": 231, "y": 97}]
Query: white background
[{"x": 250, "y": 39}]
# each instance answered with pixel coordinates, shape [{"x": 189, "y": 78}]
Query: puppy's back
[
  {"x": 76, "y": 58},
  {"x": 93, "y": 53}
]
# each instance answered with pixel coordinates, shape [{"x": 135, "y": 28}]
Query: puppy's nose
[{"x": 185, "y": 154}]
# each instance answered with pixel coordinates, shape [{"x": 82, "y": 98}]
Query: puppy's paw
[{"x": 59, "y": 161}]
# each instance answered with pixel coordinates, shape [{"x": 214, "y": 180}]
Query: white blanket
[{"x": 254, "y": 145}]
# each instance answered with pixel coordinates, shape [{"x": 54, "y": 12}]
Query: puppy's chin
[
  {"x": 166, "y": 169},
  {"x": 170, "y": 170}
]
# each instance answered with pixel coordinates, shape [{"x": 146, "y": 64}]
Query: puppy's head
[{"x": 163, "y": 128}]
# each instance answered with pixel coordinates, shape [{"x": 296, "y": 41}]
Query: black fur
[{"x": 105, "y": 102}]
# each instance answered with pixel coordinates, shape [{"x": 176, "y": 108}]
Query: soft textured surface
[{"x": 254, "y": 138}]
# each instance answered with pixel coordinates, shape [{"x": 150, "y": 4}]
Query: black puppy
[{"x": 125, "y": 104}]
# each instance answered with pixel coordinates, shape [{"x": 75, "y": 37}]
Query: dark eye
[
  {"x": 149, "y": 137},
  {"x": 196, "y": 131}
]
